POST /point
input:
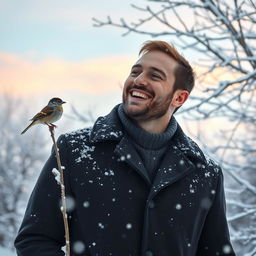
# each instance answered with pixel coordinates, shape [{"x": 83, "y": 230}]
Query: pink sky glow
[{"x": 23, "y": 77}]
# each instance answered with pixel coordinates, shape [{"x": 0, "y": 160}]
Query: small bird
[{"x": 49, "y": 114}]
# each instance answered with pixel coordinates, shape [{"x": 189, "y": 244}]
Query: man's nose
[{"x": 141, "y": 79}]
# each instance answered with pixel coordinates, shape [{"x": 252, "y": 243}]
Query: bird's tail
[{"x": 28, "y": 127}]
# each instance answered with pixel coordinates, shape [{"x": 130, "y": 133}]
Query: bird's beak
[{"x": 64, "y": 102}]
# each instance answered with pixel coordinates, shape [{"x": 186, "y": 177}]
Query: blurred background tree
[
  {"x": 21, "y": 159},
  {"x": 220, "y": 35}
]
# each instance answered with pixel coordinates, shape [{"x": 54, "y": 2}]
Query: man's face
[{"x": 148, "y": 90}]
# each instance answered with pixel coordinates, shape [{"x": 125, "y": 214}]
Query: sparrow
[{"x": 49, "y": 114}]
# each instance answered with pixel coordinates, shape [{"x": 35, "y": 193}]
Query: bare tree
[
  {"x": 20, "y": 159},
  {"x": 87, "y": 117},
  {"x": 221, "y": 34}
]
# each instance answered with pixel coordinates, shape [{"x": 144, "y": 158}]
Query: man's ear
[{"x": 179, "y": 97}]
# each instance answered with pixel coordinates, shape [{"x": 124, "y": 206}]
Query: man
[{"x": 140, "y": 186}]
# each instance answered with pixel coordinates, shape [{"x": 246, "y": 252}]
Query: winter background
[{"x": 82, "y": 52}]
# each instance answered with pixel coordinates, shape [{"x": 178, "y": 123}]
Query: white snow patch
[
  {"x": 207, "y": 174},
  {"x": 56, "y": 173},
  {"x": 114, "y": 134},
  {"x": 85, "y": 153},
  {"x": 109, "y": 173}
]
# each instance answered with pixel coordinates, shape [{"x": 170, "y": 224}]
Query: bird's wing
[{"x": 46, "y": 111}]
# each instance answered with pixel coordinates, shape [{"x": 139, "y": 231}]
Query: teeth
[{"x": 139, "y": 94}]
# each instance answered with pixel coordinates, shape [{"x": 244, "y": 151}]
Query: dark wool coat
[{"x": 114, "y": 208}]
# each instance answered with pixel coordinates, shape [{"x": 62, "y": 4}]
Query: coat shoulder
[
  {"x": 208, "y": 164},
  {"x": 78, "y": 140},
  {"x": 196, "y": 155},
  {"x": 79, "y": 145},
  {"x": 212, "y": 164},
  {"x": 78, "y": 136}
]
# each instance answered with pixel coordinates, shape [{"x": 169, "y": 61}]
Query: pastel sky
[{"x": 50, "y": 48}]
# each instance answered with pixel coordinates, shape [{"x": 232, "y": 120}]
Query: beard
[{"x": 155, "y": 109}]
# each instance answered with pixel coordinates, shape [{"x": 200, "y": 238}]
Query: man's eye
[
  {"x": 134, "y": 72},
  {"x": 156, "y": 76}
]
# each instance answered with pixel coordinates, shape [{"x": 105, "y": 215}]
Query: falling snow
[
  {"x": 182, "y": 162},
  {"x": 128, "y": 225},
  {"x": 70, "y": 203},
  {"x": 178, "y": 207},
  {"x": 205, "y": 203},
  {"x": 226, "y": 249},
  {"x": 78, "y": 247}
]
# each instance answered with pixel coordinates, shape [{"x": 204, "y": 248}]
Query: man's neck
[{"x": 154, "y": 126}]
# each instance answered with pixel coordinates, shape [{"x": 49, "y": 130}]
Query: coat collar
[
  {"x": 182, "y": 156},
  {"x": 107, "y": 128}
]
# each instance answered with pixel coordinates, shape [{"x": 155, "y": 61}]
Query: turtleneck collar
[{"x": 143, "y": 138}]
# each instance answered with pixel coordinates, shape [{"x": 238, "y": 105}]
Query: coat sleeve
[
  {"x": 214, "y": 239},
  {"x": 42, "y": 231}
]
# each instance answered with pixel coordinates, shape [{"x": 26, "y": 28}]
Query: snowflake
[
  {"x": 128, "y": 225},
  {"x": 178, "y": 206}
]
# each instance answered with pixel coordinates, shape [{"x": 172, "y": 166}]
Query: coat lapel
[
  {"x": 127, "y": 153},
  {"x": 175, "y": 166}
]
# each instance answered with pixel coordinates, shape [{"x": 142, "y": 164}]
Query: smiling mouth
[{"x": 139, "y": 95}]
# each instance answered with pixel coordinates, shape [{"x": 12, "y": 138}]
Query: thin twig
[{"x": 63, "y": 195}]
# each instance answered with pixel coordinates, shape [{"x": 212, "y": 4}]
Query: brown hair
[{"x": 184, "y": 74}]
